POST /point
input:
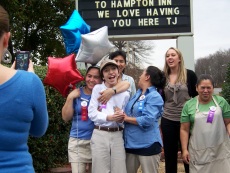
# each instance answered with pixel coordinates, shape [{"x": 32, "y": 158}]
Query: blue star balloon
[{"x": 72, "y": 30}]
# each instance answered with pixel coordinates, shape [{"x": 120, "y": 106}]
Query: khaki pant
[
  {"x": 108, "y": 153},
  {"x": 81, "y": 167},
  {"x": 149, "y": 164},
  {"x": 79, "y": 153}
]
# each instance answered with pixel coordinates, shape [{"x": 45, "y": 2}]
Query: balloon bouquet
[{"x": 81, "y": 46}]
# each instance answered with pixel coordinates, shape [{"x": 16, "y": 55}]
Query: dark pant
[{"x": 171, "y": 141}]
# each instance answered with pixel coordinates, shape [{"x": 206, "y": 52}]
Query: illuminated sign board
[{"x": 138, "y": 18}]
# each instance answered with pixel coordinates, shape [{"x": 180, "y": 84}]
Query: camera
[{"x": 22, "y": 60}]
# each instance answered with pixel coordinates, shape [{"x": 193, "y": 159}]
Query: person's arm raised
[
  {"x": 108, "y": 93},
  {"x": 68, "y": 110}
]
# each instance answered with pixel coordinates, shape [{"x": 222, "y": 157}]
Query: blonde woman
[{"x": 180, "y": 87}]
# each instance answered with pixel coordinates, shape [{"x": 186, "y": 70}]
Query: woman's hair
[
  {"x": 91, "y": 67},
  {"x": 182, "y": 72},
  {"x": 118, "y": 53},
  {"x": 205, "y": 77},
  {"x": 4, "y": 21},
  {"x": 157, "y": 77}
]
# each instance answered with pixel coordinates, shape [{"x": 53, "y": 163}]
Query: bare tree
[
  {"x": 215, "y": 65},
  {"x": 138, "y": 51}
]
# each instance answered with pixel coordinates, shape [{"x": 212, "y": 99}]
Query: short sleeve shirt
[{"x": 189, "y": 109}]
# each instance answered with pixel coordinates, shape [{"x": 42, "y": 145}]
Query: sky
[{"x": 211, "y": 26}]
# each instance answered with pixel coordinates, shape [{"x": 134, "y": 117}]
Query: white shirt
[
  {"x": 132, "y": 88},
  {"x": 99, "y": 117}
]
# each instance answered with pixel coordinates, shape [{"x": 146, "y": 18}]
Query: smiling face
[
  {"x": 172, "y": 58},
  {"x": 110, "y": 75},
  {"x": 205, "y": 90},
  {"x": 92, "y": 78},
  {"x": 120, "y": 62}
]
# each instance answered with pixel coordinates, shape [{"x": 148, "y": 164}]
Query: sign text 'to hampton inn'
[{"x": 148, "y": 18}]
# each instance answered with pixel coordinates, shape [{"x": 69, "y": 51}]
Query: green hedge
[{"x": 50, "y": 150}]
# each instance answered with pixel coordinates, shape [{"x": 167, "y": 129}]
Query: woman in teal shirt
[{"x": 141, "y": 133}]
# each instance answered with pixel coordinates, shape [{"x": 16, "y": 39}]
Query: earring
[{"x": 7, "y": 57}]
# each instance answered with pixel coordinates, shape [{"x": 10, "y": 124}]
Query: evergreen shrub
[
  {"x": 226, "y": 86},
  {"x": 51, "y": 150}
]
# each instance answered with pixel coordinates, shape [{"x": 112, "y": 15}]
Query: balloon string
[{"x": 77, "y": 140}]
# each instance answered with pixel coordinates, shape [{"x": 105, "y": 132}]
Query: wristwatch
[{"x": 114, "y": 89}]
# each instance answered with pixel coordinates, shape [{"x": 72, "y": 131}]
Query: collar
[{"x": 149, "y": 89}]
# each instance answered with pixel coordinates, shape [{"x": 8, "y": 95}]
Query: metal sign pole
[{"x": 76, "y": 4}]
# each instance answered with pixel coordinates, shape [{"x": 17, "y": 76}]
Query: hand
[
  {"x": 74, "y": 94},
  {"x": 118, "y": 116},
  {"x": 185, "y": 157},
  {"x": 126, "y": 117},
  {"x": 31, "y": 66},
  {"x": 106, "y": 95},
  {"x": 117, "y": 109}
]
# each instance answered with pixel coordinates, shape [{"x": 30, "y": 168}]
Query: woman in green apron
[{"x": 206, "y": 119}]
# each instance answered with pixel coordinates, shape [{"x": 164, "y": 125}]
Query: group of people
[
  {"x": 122, "y": 126},
  {"x": 114, "y": 127},
  {"x": 130, "y": 128}
]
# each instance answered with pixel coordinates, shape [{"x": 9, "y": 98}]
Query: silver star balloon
[{"x": 94, "y": 46}]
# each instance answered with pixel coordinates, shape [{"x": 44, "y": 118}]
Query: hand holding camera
[{"x": 23, "y": 61}]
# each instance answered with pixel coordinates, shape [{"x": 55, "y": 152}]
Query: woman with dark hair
[
  {"x": 141, "y": 133},
  {"x": 120, "y": 58},
  {"x": 206, "y": 118},
  {"x": 82, "y": 127}
]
